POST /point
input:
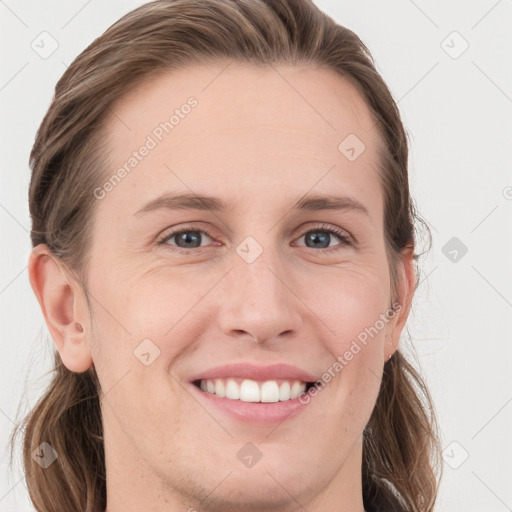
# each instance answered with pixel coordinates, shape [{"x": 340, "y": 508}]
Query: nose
[{"x": 259, "y": 303}]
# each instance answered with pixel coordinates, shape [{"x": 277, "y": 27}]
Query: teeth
[
  {"x": 232, "y": 390},
  {"x": 248, "y": 390},
  {"x": 220, "y": 389},
  {"x": 270, "y": 391},
  {"x": 297, "y": 389},
  {"x": 284, "y": 391}
]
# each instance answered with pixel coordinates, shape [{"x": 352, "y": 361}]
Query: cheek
[
  {"x": 351, "y": 305},
  {"x": 146, "y": 317}
]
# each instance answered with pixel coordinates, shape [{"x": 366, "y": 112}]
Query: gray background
[{"x": 457, "y": 108}]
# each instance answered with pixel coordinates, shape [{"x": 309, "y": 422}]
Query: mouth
[
  {"x": 254, "y": 391},
  {"x": 250, "y": 402},
  {"x": 252, "y": 394}
]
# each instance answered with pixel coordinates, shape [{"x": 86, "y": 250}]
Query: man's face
[{"x": 261, "y": 282}]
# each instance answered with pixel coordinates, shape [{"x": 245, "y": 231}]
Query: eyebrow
[{"x": 189, "y": 201}]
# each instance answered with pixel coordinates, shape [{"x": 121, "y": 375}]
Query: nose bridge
[
  {"x": 258, "y": 299},
  {"x": 261, "y": 283}
]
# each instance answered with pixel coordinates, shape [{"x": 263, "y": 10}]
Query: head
[{"x": 298, "y": 246}]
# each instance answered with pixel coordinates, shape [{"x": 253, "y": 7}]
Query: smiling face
[{"x": 264, "y": 273}]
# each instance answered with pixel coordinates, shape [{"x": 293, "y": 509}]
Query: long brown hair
[{"x": 401, "y": 449}]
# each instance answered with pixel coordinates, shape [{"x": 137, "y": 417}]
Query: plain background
[{"x": 456, "y": 103}]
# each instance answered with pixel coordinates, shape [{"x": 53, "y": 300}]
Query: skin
[{"x": 259, "y": 138}]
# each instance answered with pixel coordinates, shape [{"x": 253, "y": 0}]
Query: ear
[
  {"x": 62, "y": 304},
  {"x": 406, "y": 285}
]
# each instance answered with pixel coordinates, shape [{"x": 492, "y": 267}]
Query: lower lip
[{"x": 262, "y": 413}]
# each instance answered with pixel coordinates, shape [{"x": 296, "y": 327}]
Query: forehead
[{"x": 229, "y": 128}]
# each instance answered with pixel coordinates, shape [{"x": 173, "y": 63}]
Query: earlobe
[
  {"x": 405, "y": 291},
  {"x": 60, "y": 303}
]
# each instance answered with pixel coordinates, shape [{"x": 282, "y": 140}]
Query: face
[{"x": 263, "y": 276}]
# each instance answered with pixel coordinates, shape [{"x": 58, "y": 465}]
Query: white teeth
[
  {"x": 220, "y": 389},
  {"x": 232, "y": 390},
  {"x": 270, "y": 391},
  {"x": 284, "y": 391},
  {"x": 249, "y": 390},
  {"x": 297, "y": 389}
]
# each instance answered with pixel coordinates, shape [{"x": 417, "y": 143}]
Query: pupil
[
  {"x": 187, "y": 238},
  {"x": 325, "y": 237}
]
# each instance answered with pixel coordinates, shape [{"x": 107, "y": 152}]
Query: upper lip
[{"x": 251, "y": 371}]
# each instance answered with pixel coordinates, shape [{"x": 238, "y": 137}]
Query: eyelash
[{"x": 341, "y": 234}]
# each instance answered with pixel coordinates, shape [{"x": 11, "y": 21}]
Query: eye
[
  {"x": 186, "y": 238},
  {"x": 189, "y": 238},
  {"x": 319, "y": 236}
]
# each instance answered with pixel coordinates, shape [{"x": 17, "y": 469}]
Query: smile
[{"x": 248, "y": 390}]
